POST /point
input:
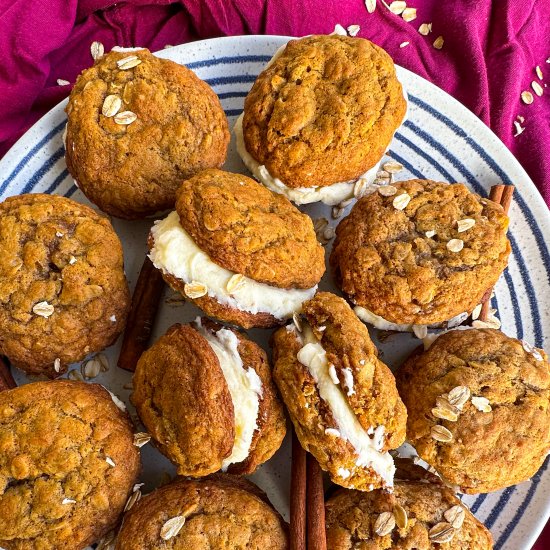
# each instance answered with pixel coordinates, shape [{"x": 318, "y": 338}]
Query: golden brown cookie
[
  {"x": 63, "y": 293},
  {"x": 341, "y": 398},
  {"x": 67, "y": 465},
  {"x": 421, "y": 255},
  {"x": 479, "y": 408},
  {"x": 205, "y": 395},
  {"x": 420, "y": 513},
  {"x": 242, "y": 253},
  {"x": 219, "y": 513},
  {"x": 137, "y": 126},
  {"x": 324, "y": 111}
]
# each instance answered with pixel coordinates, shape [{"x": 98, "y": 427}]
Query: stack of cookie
[{"x": 146, "y": 137}]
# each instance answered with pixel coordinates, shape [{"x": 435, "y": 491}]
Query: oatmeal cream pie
[
  {"x": 479, "y": 408},
  {"x": 240, "y": 252},
  {"x": 63, "y": 293},
  {"x": 341, "y": 398},
  {"x": 420, "y": 513},
  {"x": 419, "y": 253},
  {"x": 206, "y": 396},
  {"x": 137, "y": 126},
  {"x": 67, "y": 465},
  {"x": 320, "y": 117},
  {"x": 221, "y": 512}
]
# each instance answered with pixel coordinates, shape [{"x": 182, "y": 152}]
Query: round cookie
[
  {"x": 67, "y": 465},
  {"x": 420, "y": 513},
  {"x": 221, "y": 512},
  {"x": 63, "y": 293},
  {"x": 422, "y": 255},
  {"x": 324, "y": 111},
  {"x": 341, "y": 398},
  {"x": 479, "y": 408},
  {"x": 137, "y": 126},
  {"x": 204, "y": 411},
  {"x": 240, "y": 252}
]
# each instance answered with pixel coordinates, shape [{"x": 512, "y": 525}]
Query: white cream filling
[
  {"x": 175, "y": 252},
  {"x": 368, "y": 449},
  {"x": 420, "y": 331},
  {"x": 244, "y": 386},
  {"x": 330, "y": 194}
]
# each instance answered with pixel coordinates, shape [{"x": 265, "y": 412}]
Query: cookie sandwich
[
  {"x": 419, "y": 253},
  {"x": 205, "y": 395},
  {"x": 341, "y": 398},
  {"x": 320, "y": 117},
  {"x": 238, "y": 251},
  {"x": 63, "y": 292},
  {"x": 479, "y": 408},
  {"x": 137, "y": 125}
]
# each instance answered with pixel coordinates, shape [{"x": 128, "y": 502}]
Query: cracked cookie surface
[
  {"x": 351, "y": 517},
  {"x": 383, "y": 260},
  {"x": 63, "y": 293},
  {"x": 324, "y": 111},
  {"x": 489, "y": 450},
  {"x": 133, "y": 170},
  {"x": 182, "y": 397},
  {"x": 372, "y": 394},
  {"x": 220, "y": 512},
  {"x": 57, "y": 489},
  {"x": 247, "y": 229}
]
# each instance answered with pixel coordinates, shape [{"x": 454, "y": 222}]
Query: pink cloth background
[{"x": 489, "y": 56}]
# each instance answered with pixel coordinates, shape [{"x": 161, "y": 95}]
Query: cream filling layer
[
  {"x": 174, "y": 252},
  {"x": 330, "y": 194},
  {"x": 368, "y": 316},
  {"x": 368, "y": 449},
  {"x": 244, "y": 386}
]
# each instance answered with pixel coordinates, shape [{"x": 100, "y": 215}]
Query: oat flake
[
  {"x": 401, "y": 201},
  {"x": 172, "y": 527},
  {"x": 384, "y": 524}
]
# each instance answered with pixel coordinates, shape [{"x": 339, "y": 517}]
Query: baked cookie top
[
  {"x": 247, "y": 229},
  {"x": 63, "y": 292},
  {"x": 324, "y": 111},
  {"x": 67, "y": 465},
  {"x": 421, "y": 255},
  {"x": 137, "y": 126},
  {"x": 183, "y": 398},
  {"x": 479, "y": 408},
  {"x": 204, "y": 513},
  {"x": 367, "y": 386},
  {"x": 420, "y": 513}
]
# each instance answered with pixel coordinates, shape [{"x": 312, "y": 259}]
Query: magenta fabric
[{"x": 489, "y": 56}]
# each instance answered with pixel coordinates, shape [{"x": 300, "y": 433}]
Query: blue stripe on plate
[
  {"x": 56, "y": 182},
  {"x": 490, "y": 161},
  {"x": 30, "y": 155},
  {"x": 221, "y": 80},
  {"x": 45, "y": 168},
  {"x": 521, "y": 510},
  {"x": 425, "y": 156},
  {"x": 229, "y": 61}
]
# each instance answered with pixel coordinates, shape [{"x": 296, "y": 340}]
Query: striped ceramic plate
[{"x": 440, "y": 140}]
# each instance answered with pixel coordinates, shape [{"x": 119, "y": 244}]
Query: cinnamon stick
[
  {"x": 501, "y": 194},
  {"x": 315, "y": 504},
  {"x": 297, "y": 496},
  {"x": 6, "y": 379},
  {"x": 145, "y": 302}
]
